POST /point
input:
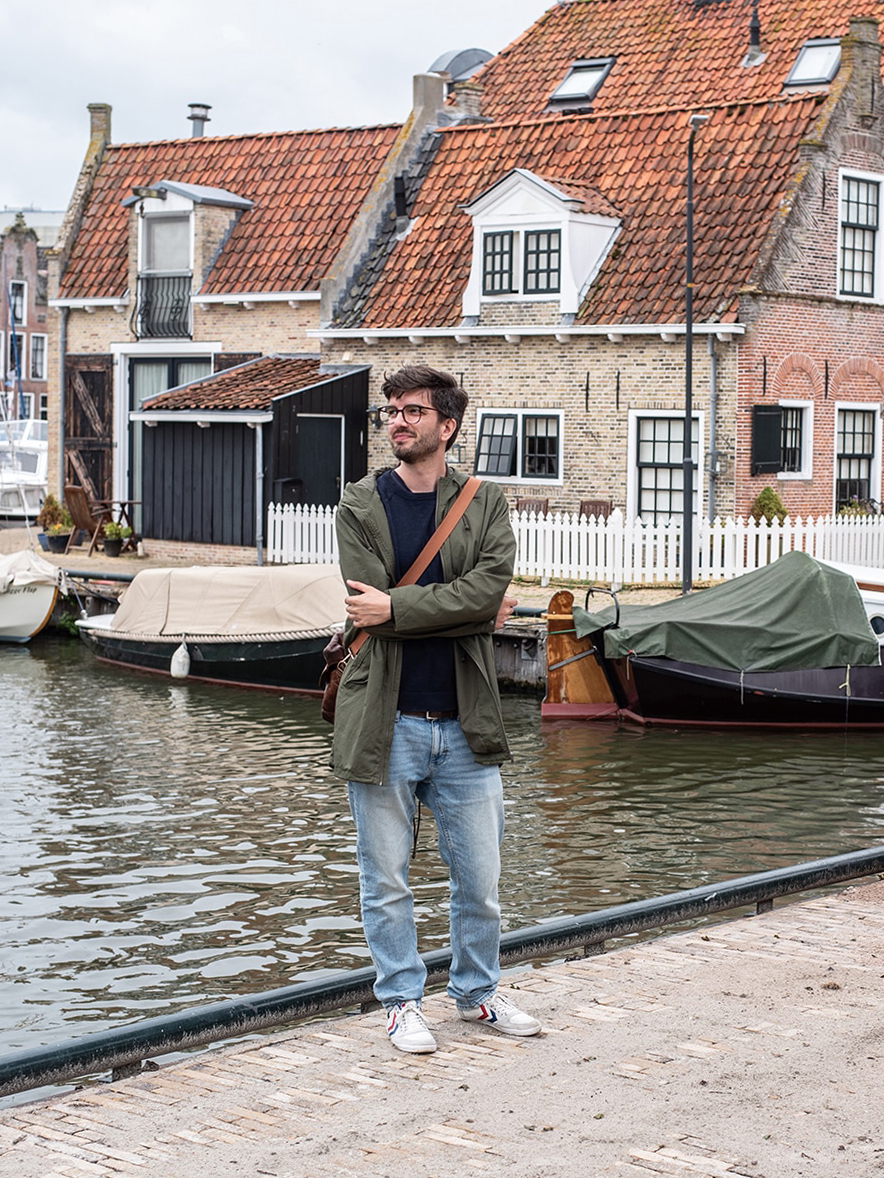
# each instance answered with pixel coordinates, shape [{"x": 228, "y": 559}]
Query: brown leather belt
[{"x": 432, "y": 715}]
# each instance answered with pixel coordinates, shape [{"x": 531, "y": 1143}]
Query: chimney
[
  {"x": 468, "y": 99},
  {"x": 199, "y": 116},
  {"x": 754, "y": 56},
  {"x": 99, "y": 126}
]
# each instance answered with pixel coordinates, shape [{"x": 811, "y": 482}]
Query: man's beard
[{"x": 412, "y": 448}]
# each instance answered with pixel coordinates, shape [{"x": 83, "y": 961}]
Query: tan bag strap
[{"x": 429, "y": 550}]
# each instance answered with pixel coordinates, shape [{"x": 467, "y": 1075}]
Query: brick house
[
  {"x": 23, "y": 320},
  {"x": 178, "y": 260},
  {"x": 539, "y": 252}
]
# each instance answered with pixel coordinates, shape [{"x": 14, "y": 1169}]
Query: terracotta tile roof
[
  {"x": 744, "y": 158},
  {"x": 306, "y": 186},
  {"x": 248, "y": 386},
  {"x": 668, "y": 52}
]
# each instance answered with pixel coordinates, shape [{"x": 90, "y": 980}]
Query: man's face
[{"x": 412, "y": 441}]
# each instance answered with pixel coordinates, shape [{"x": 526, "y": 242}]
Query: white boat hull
[{"x": 25, "y": 610}]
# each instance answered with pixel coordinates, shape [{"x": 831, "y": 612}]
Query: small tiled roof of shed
[
  {"x": 306, "y": 186},
  {"x": 667, "y": 53},
  {"x": 744, "y": 158},
  {"x": 252, "y": 385}
]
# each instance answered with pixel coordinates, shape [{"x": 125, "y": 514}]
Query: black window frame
[
  {"x": 854, "y": 484},
  {"x": 507, "y": 449},
  {"x": 820, "y": 79},
  {"x": 572, "y": 102},
  {"x": 792, "y": 439},
  {"x": 534, "y": 252},
  {"x": 674, "y": 465},
  {"x": 498, "y": 278},
  {"x": 858, "y": 238}
]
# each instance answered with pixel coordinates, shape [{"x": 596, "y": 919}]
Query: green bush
[{"x": 767, "y": 505}]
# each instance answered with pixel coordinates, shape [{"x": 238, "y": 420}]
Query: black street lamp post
[{"x": 687, "y": 545}]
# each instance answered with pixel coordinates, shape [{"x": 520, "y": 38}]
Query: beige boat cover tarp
[
  {"x": 237, "y": 601},
  {"x": 26, "y": 568}
]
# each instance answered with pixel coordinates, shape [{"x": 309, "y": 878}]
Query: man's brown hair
[{"x": 446, "y": 394}]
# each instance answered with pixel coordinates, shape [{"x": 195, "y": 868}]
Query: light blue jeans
[{"x": 431, "y": 762}]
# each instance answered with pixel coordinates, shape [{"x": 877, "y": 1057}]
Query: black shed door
[{"x": 320, "y": 459}]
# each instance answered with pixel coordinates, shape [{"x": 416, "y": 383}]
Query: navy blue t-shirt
[{"x": 427, "y": 683}]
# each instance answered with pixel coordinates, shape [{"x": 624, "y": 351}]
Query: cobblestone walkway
[{"x": 747, "y": 1049}]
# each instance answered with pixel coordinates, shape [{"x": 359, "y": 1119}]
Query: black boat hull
[
  {"x": 292, "y": 665},
  {"x": 665, "y": 691}
]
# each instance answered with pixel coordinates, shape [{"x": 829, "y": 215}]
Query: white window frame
[
  {"x": 153, "y": 209},
  {"x": 45, "y": 338},
  {"x": 877, "y": 295},
  {"x": 806, "y": 469},
  {"x": 520, "y": 480},
  {"x": 22, "y": 354},
  {"x": 632, "y": 466},
  {"x": 24, "y": 301},
  {"x": 875, "y": 465}
]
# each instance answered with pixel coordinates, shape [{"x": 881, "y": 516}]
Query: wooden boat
[
  {"x": 249, "y": 627},
  {"x": 29, "y": 588},
  {"x": 792, "y": 645}
]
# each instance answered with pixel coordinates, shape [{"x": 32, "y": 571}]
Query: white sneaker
[
  {"x": 501, "y": 1015},
  {"x": 407, "y": 1029}
]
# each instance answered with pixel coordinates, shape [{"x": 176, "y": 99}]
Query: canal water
[{"x": 166, "y": 844}]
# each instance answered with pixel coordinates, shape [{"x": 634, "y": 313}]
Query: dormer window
[
  {"x": 817, "y": 63},
  {"x": 166, "y": 213},
  {"x": 537, "y": 240},
  {"x": 529, "y": 262},
  {"x": 581, "y": 83},
  {"x": 166, "y": 243}
]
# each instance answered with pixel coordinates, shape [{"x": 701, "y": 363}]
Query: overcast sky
[{"x": 263, "y": 65}]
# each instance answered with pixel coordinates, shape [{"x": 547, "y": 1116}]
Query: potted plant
[
  {"x": 59, "y": 533},
  {"x": 50, "y": 515},
  {"x": 115, "y": 535}
]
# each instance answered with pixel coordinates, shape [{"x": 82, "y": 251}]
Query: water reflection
[{"x": 165, "y": 844}]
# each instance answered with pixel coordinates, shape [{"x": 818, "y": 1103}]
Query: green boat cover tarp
[{"x": 793, "y": 614}]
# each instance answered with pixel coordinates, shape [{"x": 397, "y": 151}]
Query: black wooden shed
[{"x": 215, "y": 453}]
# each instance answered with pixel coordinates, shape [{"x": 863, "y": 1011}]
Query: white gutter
[
  {"x": 203, "y": 416},
  {"x": 615, "y": 332},
  {"x": 119, "y": 304},
  {"x": 244, "y": 299}
]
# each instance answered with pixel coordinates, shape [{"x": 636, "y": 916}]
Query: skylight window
[
  {"x": 817, "y": 63},
  {"x": 581, "y": 82}
]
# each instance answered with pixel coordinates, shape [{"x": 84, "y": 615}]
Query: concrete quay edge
[{"x": 751, "y": 1048}]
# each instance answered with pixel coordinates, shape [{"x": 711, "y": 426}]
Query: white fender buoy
[{"x": 179, "y": 668}]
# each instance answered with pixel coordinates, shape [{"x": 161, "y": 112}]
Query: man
[{"x": 418, "y": 714}]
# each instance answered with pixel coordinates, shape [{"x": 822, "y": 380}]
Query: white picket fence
[{"x": 616, "y": 551}]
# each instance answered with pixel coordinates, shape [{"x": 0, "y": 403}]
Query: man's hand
[
  {"x": 506, "y": 608},
  {"x": 368, "y": 606}
]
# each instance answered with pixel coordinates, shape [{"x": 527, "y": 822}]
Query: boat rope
[
  {"x": 742, "y": 673},
  {"x": 845, "y": 686}
]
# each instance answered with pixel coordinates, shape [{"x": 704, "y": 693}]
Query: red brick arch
[
  {"x": 797, "y": 362},
  {"x": 856, "y": 366}
]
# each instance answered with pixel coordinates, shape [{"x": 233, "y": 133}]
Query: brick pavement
[{"x": 747, "y": 1049}]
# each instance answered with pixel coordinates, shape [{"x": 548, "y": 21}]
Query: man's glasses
[{"x": 411, "y": 414}]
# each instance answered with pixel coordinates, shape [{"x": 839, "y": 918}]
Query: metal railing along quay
[{"x": 122, "y": 1050}]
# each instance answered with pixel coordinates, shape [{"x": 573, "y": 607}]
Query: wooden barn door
[{"x": 89, "y": 424}]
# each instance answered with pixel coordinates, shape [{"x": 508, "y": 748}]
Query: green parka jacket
[{"x": 477, "y": 560}]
